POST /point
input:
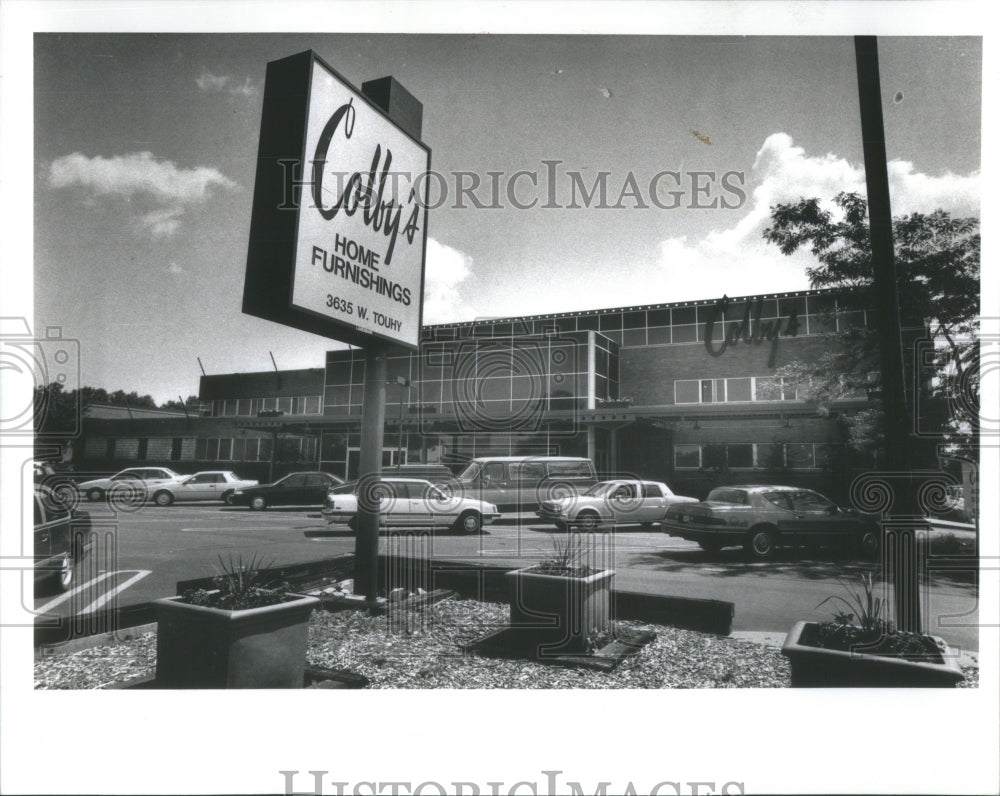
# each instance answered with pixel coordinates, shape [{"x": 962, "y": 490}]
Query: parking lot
[{"x": 141, "y": 555}]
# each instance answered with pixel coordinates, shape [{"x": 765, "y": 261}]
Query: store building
[{"x": 683, "y": 392}]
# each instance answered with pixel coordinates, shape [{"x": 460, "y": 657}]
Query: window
[
  {"x": 799, "y": 455},
  {"x": 527, "y": 471},
  {"x": 780, "y": 499},
  {"x": 652, "y": 490},
  {"x": 687, "y": 392},
  {"x": 225, "y": 449},
  {"x": 740, "y": 455},
  {"x": 295, "y": 480},
  {"x": 570, "y": 470},
  {"x": 723, "y": 495},
  {"x": 812, "y": 502},
  {"x": 687, "y": 457},
  {"x": 739, "y": 389},
  {"x": 625, "y": 492},
  {"x": 212, "y": 449}
]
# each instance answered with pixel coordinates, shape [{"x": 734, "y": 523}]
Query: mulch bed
[{"x": 419, "y": 649}]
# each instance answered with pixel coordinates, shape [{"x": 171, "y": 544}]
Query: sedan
[
  {"x": 760, "y": 518},
  {"x": 206, "y": 485},
  {"x": 295, "y": 489},
  {"x": 412, "y": 502},
  {"x": 62, "y": 538},
  {"x": 616, "y": 502},
  {"x": 128, "y": 481}
]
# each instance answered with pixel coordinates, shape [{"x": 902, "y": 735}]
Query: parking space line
[
  {"x": 72, "y": 592},
  {"x": 140, "y": 574}
]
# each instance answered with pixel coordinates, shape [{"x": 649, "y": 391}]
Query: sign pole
[
  {"x": 369, "y": 470},
  {"x": 900, "y": 550}
]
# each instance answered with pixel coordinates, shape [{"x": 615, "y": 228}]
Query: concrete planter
[
  {"x": 562, "y": 611},
  {"x": 199, "y": 647},
  {"x": 815, "y": 667}
]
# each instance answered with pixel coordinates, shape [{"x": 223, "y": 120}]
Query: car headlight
[{"x": 237, "y": 491}]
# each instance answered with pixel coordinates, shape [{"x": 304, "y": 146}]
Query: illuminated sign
[{"x": 339, "y": 221}]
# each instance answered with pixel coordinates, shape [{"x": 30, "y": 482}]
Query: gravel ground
[{"x": 418, "y": 649}]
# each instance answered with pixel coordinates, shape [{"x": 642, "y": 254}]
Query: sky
[{"x": 145, "y": 150}]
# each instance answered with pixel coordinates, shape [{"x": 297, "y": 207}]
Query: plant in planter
[
  {"x": 859, "y": 647},
  {"x": 248, "y": 632},
  {"x": 562, "y": 601}
]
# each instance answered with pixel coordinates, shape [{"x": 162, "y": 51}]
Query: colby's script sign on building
[{"x": 339, "y": 221}]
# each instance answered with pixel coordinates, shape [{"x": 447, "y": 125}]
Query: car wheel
[
  {"x": 163, "y": 498},
  {"x": 869, "y": 545},
  {"x": 587, "y": 521},
  {"x": 469, "y": 522},
  {"x": 95, "y": 494},
  {"x": 227, "y": 497},
  {"x": 760, "y": 543},
  {"x": 710, "y": 547},
  {"x": 64, "y": 574},
  {"x": 258, "y": 503}
]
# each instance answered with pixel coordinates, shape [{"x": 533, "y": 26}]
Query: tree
[
  {"x": 191, "y": 403},
  {"x": 937, "y": 262}
]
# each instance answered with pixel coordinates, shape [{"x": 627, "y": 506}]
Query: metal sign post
[{"x": 900, "y": 553}]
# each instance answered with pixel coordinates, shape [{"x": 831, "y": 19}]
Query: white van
[{"x": 518, "y": 484}]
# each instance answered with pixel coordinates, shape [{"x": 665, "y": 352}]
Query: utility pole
[{"x": 900, "y": 554}]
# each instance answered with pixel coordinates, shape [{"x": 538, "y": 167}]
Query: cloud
[
  {"x": 737, "y": 258},
  {"x": 140, "y": 175},
  {"x": 216, "y": 84},
  {"x": 446, "y": 269}
]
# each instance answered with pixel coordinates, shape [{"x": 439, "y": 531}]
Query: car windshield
[
  {"x": 470, "y": 472},
  {"x": 601, "y": 488},
  {"x": 723, "y": 495}
]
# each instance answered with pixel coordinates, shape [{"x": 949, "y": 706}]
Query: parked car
[
  {"x": 295, "y": 489},
  {"x": 616, "y": 502},
  {"x": 760, "y": 518},
  {"x": 412, "y": 502},
  {"x": 62, "y": 538},
  {"x": 205, "y": 485},
  {"x": 131, "y": 477},
  {"x": 518, "y": 484}
]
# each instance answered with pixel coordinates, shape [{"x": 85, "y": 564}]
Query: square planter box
[
  {"x": 815, "y": 667},
  {"x": 562, "y": 611},
  {"x": 199, "y": 647}
]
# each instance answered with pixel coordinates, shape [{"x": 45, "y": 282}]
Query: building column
[{"x": 591, "y": 443}]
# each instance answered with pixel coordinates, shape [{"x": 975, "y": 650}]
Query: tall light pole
[{"x": 404, "y": 384}]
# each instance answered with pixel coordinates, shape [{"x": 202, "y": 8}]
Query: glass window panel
[
  {"x": 768, "y": 308},
  {"x": 212, "y": 450},
  {"x": 706, "y": 391},
  {"x": 685, "y": 334},
  {"x": 687, "y": 391},
  {"x": 264, "y": 449},
  {"x": 566, "y": 324},
  {"x": 634, "y": 337},
  {"x": 822, "y": 324},
  {"x": 239, "y": 448},
  {"x": 658, "y": 317},
  {"x": 799, "y": 454},
  {"x": 738, "y": 389},
  {"x": 285, "y": 404},
  {"x": 658, "y": 335},
  {"x": 687, "y": 456},
  {"x": 824, "y": 455},
  {"x": 225, "y": 449},
  {"x": 720, "y": 390},
  {"x": 788, "y": 305},
  {"x": 819, "y": 305},
  {"x": 768, "y": 389},
  {"x": 611, "y": 321},
  {"x": 713, "y": 456},
  {"x": 855, "y": 319},
  {"x": 312, "y": 404},
  {"x": 199, "y": 449},
  {"x": 684, "y": 315},
  {"x": 740, "y": 454},
  {"x": 634, "y": 320},
  {"x": 338, "y": 396},
  {"x": 338, "y": 372},
  {"x": 770, "y": 455},
  {"x": 588, "y": 322}
]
